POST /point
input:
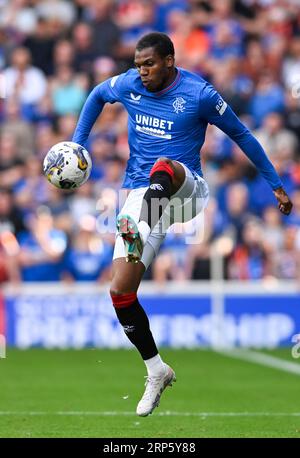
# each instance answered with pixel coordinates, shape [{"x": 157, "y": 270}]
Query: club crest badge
[{"x": 179, "y": 104}]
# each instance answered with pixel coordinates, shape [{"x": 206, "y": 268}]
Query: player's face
[{"x": 156, "y": 72}]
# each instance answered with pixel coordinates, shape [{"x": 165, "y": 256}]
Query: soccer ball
[{"x": 67, "y": 165}]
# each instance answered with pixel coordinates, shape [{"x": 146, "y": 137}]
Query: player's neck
[{"x": 170, "y": 79}]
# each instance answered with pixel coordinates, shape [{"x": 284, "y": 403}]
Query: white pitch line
[
  {"x": 263, "y": 359},
  {"x": 160, "y": 414}
]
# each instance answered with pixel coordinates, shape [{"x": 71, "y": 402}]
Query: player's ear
[{"x": 170, "y": 61}]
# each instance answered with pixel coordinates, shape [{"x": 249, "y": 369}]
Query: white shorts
[{"x": 190, "y": 199}]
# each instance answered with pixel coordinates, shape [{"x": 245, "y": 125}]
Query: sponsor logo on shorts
[{"x": 156, "y": 187}]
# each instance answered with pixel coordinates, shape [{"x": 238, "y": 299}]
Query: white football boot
[{"x": 155, "y": 385}]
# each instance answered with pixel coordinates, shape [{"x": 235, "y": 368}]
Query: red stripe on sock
[
  {"x": 123, "y": 300},
  {"x": 162, "y": 166}
]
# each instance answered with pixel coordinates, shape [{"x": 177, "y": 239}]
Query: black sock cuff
[{"x": 160, "y": 175}]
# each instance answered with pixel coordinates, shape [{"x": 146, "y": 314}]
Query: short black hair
[{"x": 159, "y": 41}]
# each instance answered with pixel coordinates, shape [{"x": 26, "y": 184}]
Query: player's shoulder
[
  {"x": 124, "y": 80},
  {"x": 116, "y": 88},
  {"x": 194, "y": 81},
  {"x": 189, "y": 77}
]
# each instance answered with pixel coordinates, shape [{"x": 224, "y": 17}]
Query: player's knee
[
  {"x": 163, "y": 159},
  {"x": 163, "y": 164},
  {"x": 115, "y": 291},
  {"x": 121, "y": 299}
]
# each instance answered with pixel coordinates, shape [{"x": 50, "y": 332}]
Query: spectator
[
  {"x": 20, "y": 130},
  {"x": 41, "y": 248},
  {"x": 236, "y": 210},
  {"x": 249, "y": 260},
  {"x": 24, "y": 82},
  {"x": 10, "y": 217},
  {"x": 267, "y": 98},
  {"x": 273, "y": 234},
  {"x": 40, "y": 44},
  {"x": 105, "y": 30},
  {"x": 170, "y": 263},
  {"x": 11, "y": 166},
  {"x": 68, "y": 94},
  {"x": 285, "y": 262},
  {"x": 31, "y": 191},
  {"x": 276, "y": 139},
  {"x": 88, "y": 257},
  {"x": 83, "y": 43}
]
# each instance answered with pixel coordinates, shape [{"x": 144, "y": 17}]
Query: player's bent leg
[
  {"x": 173, "y": 168},
  {"x": 188, "y": 202},
  {"x": 179, "y": 176},
  {"x": 166, "y": 177},
  {"x": 131, "y": 315}
]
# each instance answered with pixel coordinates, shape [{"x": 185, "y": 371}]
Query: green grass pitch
[{"x": 93, "y": 393}]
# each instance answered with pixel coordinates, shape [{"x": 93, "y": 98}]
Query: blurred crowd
[{"x": 53, "y": 52}]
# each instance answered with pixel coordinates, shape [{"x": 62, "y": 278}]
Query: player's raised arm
[
  {"x": 108, "y": 91},
  {"x": 219, "y": 113}
]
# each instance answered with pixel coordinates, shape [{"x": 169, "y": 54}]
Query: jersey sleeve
[
  {"x": 216, "y": 111},
  {"x": 109, "y": 91}
]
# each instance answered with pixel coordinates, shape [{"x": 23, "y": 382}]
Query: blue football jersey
[{"x": 170, "y": 123}]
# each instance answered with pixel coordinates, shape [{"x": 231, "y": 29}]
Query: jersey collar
[{"x": 171, "y": 86}]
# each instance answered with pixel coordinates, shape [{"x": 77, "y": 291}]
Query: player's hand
[{"x": 284, "y": 203}]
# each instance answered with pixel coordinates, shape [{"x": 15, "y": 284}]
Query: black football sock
[
  {"x": 156, "y": 198},
  {"x": 136, "y": 327}
]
